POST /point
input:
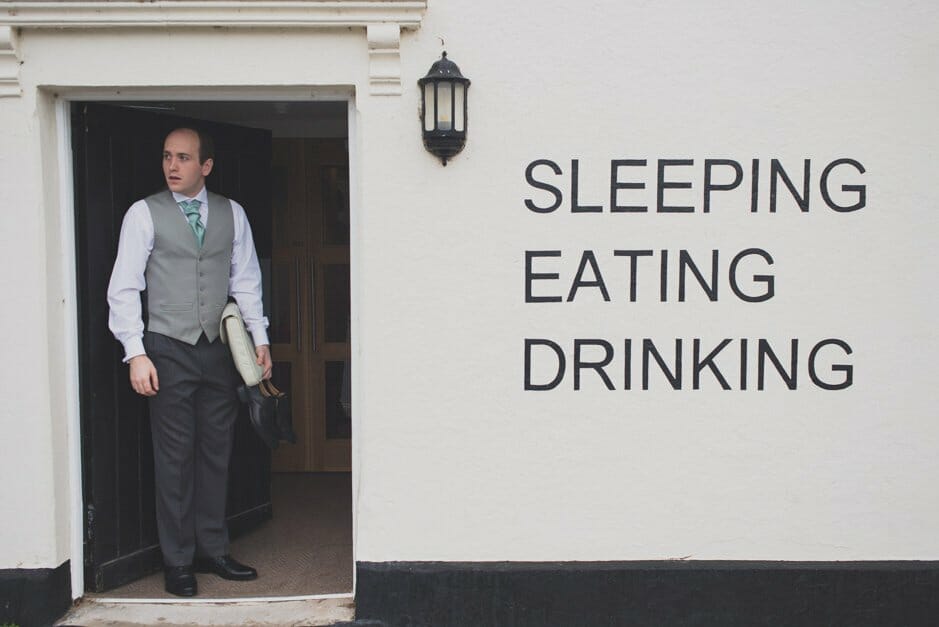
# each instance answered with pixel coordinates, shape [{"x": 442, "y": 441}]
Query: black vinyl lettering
[
  {"x": 708, "y": 362},
  {"x": 663, "y": 277},
  {"x": 529, "y": 176},
  {"x": 709, "y": 186},
  {"x": 861, "y": 190},
  {"x": 764, "y": 350},
  {"x": 585, "y": 259},
  {"x": 674, "y": 378},
  {"x": 663, "y": 185},
  {"x": 743, "y": 364},
  {"x": 847, "y": 369},
  {"x": 633, "y": 280},
  {"x": 539, "y": 276},
  {"x": 768, "y": 279},
  {"x": 627, "y": 364},
  {"x": 562, "y": 364},
  {"x": 776, "y": 171},
  {"x": 597, "y": 366},
  {"x": 615, "y": 186},
  {"x": 576, "y": 207},
  {"x": 754, "y": 185},
  {"x": 685, "y": 261}
]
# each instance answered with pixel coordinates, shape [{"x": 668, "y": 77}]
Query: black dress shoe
[
  {"x": 225, "y": 567},
  {"x": 180, "y": 581},
  {"x": 261, "y": 413}
]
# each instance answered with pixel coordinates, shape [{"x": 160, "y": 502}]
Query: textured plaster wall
[
  {"x": 455, "y": 460},
  {"x": 28, "y": 443},
  {"x": 460, "y": 463}
]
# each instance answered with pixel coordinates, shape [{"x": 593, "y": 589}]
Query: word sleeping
[{"x": 631, "y": 183}]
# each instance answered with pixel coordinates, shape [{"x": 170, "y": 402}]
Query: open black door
[{"x": 117, "y": 152}]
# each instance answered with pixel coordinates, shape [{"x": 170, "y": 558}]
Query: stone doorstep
[{"x": 308, "y": 612}]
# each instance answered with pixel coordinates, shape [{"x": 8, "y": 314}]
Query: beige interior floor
[{"x": 306, "y": 548}]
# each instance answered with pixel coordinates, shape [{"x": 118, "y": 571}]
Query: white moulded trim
[
  {"x": 70, "y": 345},
  {"x": 202, "y": 13},
  {"x": 9, "y": 62},
  {"x": 65, "y": 95},
  {"x": 383, "y": 20},
  {"x": 384, "y": 59},
  {"x": 255, "y": 92}
]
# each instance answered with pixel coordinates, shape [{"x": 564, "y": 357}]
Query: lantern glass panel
[
  {"x": 430, "y": 115},
  {"x": 459, "y": 108},
  {"x": 445, "y": 106}
]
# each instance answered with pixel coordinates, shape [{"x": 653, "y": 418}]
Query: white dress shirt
[{"x": 128, "y": 277}]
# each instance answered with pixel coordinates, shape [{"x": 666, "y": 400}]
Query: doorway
[{"x": 288, "y": 165}]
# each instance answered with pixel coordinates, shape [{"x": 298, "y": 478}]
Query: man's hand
[
  {"x": 143, "y": 376},
  {"x": 264, "y": 359}
]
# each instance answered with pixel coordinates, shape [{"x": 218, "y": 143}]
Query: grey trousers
[{"x": 192, "y": 420}]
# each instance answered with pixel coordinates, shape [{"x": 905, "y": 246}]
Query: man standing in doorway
[{"x": 190, "y": 249}]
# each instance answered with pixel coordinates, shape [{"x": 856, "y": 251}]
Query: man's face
[{"x": 181, "y": 168}]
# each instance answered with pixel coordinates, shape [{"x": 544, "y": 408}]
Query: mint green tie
[{"x": 191, "y": 207}]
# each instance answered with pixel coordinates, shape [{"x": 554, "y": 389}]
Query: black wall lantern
[{"x": 443, "y": 96}]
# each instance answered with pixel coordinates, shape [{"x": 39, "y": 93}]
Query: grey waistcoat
[{"x": 188, "y": 287}]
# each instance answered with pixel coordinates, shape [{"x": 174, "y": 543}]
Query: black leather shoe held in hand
[
  {"x": 225, "y": 567},
  {"x": 261, "y": 413},
  {"x": 283, "y": 417},
  {"x": 180, "y": 581}
]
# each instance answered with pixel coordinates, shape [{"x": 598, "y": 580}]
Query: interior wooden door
[
  {"x": 290, "y": 300},
  {"x": 311, "y": 290},
  {"x": 330, "y": 359}
]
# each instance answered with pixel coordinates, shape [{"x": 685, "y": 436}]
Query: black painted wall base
[
  {"x": 608, "y": 594},
  {"x": 34, "y": 597}
]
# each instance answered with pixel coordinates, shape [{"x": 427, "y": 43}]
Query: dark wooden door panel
[
  {"x": 312, "y": 300},
  {"x": 117, "y": 161}
]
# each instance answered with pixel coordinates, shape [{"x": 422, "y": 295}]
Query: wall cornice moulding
[
  {"x": 194, "y": 13},
  {"x": 379, "y": 17}
]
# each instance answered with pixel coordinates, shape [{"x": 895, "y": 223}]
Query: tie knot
[
  {"x": 191, "y": 209},
  {"x": 190, "y": 206}
]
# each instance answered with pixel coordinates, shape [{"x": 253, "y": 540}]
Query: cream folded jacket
[{"x": 233, "y": 332}]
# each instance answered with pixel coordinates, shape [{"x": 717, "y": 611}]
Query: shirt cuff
[
  {"x": 259, "y": 333},
  {"x": 133, "y": 347}
]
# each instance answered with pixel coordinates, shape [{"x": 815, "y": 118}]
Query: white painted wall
[
  {"x": 31, "y": 436},
  {"x": 459, "y": 463},
  {"x": 455, "y": 461}
]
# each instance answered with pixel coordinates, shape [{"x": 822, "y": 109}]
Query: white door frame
[{"x": 66, "y": 197}]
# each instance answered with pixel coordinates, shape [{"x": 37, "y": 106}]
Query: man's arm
[
  {"x": 127, "y": 281},
  {"x": 245, "y": 286}
]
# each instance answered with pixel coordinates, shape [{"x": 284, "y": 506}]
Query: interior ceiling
[{"x": 283, "y": 119}]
